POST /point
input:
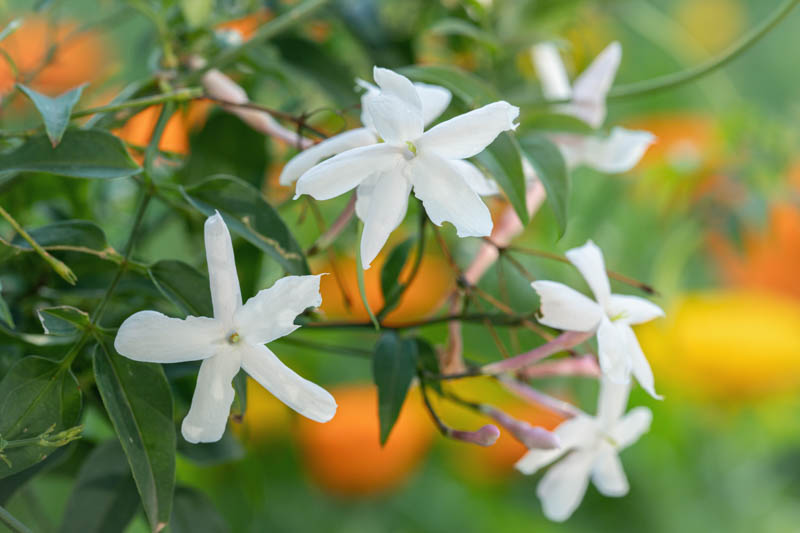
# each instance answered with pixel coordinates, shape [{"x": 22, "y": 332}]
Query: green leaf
[
  {"x": 193, "y": 512},
  {"x": 63, "y": 320},
  {"x": 11, "y": 484},
  {"x": 225, "y": 450},
  {"x": 37, "y": 396},
  {"x": 427, "y": 361},
  {"x": 465, "y": 86},
  {"x": 503, "y": 160},
  {"x": 81, "y": 154},
  {"x": 394, "y": 363},
  {"x": 104, "y": 497},
  {"x": 248, "y": 214},
  {"x": 239, "y": 406},
  {"x": 456, "y": 26},
  {"x": 390, "y": 273},
  {"x": 5, "y": 312},
  {"x": 56, "y": 111},
  {"x": 555, "y": 122},
  {"x": 77, "y": 235},
  {"x": 551, "y": 170},
  {"x": 139, "y": 403},
  {"x": 197, "y": 12},
  {"x": 183, "y": 285}
]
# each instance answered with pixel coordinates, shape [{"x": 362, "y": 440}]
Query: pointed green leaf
[
  {"x": 139, "y": 403},
  {"x": 456, "y": 26},
  {"x": 555, "y": 122},
  {"x": 248, "y": 214},
  {"x": 239, "y": 407},
  {"x": 5, "y": 312},
  {"x": 390, "y": 273},
  {"x": 63, "y": 320},
  {"x": 76, "y": 235},
  {"x": 37, "y": 396},
  {"x": 104, "y": 497},
  {"x": 503, "y": 160},
  {"x": 56, "y": 111},
  {"x": 551, "y": 170},
  {"x": 193, "y": 512},
  {"x": 465, "y": 86},
  {"x": 394, "y": 363},
  {"x": 184, "y": 285},
  {"x": 81, "y": 154},
  {"x": 427, "y": 361}
]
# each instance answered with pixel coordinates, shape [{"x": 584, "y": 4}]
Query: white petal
[
  {"x": 608, "y": 475},
  {"x": 552, "y": 74},
  {"x": 364, "y": 196},
  {"x": 563, "y": 486},
  {"x": 639, "y": 365},
  {"x": 612, "y": 401},
  {"x": 619, "y": 152},
  {"x": 299, "y": 164},
  {"x": 632, "y": 309},
  {"x": 270, "y": 314},
  {"x": 213, "y": 395},
  {"x": 225, "y": 293},
  {"x": 614, "y": 351},
  {"x": 395, "y": 112},
  {"x": 345, "y": 171},
  {"x": 571, "y": 434},
  {"x": 387, "y": 208},
  {"x": 590, "y": 88},
  {"x": 468, "y": 134},
  {"x": 565, "y": 308},
  {"x": 151, "y": 337},
  {"x": 305, "y": 397},
  {"x": 588, "y": 259},
  {"x": 631, "y": 427},
  {"x": 476, "y": 180},
  {"x": 448, "y": 198},
  {"x": 435, "y": 100}
]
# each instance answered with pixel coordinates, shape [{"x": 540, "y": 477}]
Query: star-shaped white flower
[
  {"x": 622, "y": 149},
  {"x": 233, "y": 339},
  {"x": 592, "y": 445},
  {"x": 611, "y": 316},
  {"x": 429, "y": 162}
]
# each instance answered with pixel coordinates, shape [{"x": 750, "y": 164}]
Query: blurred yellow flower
[{"x": 727, "y": 346}]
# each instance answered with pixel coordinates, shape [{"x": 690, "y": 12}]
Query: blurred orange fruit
[
  {"x": 728, "y": 346},
  {"x": 79, "y": 56},
  {"x": 770, "y": 258},
  {"x": 265, "y": 419},
  {"x": 344, "y": 456},
  {"x": 685, "y": 141},
  {"x": 427, "y": 291},
  {"x": 138, "y": 130},
  {"x": 247, "y": 26}
]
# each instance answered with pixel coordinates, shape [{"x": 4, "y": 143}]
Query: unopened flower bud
[
  {"x": 485, "y": 436},
  {"x": 532, "y": 437}
]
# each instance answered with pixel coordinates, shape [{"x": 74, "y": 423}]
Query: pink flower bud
[
  {"x": 530, "y": 436},
  {"x": 485, "y": 436}
]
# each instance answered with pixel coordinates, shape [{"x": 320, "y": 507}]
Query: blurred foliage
[{"x": 714, "y": 204}]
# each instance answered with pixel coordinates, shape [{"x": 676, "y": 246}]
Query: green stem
[
  {"x": 498, "y": 319},
  {"x": 181, "y": 95},
  {"x": 12, "y": 523},
  {"x": 677, "y": 79},
  {"x": 60, "y": 268}
]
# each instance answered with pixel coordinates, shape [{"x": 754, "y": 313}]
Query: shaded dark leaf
[
  {"x": 503, "y": 160},
  {"x": 394, "y": 364},
  {"x": 184, "y": 286},
  {"x": 551, "y": 170},
  {"x": 56, "y": 111}
]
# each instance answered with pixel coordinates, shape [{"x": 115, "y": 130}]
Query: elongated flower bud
[{"x": 485, "y": 436}]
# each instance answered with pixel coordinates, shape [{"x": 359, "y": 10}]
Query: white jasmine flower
[
  {"x": 233, "y": 339},
  {"x": 434, "y": 101},
  {"x": 591, "y": 445},
  {"x": 428, "y": 162},
  {"x": 612, "y": 316},
  {"x": 622, "y": 149}
]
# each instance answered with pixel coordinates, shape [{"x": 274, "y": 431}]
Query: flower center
[
  {"x": 411, "y": 147},
  {"x": 618, "y": 316},
  {"x": 234, "y": 338}
]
